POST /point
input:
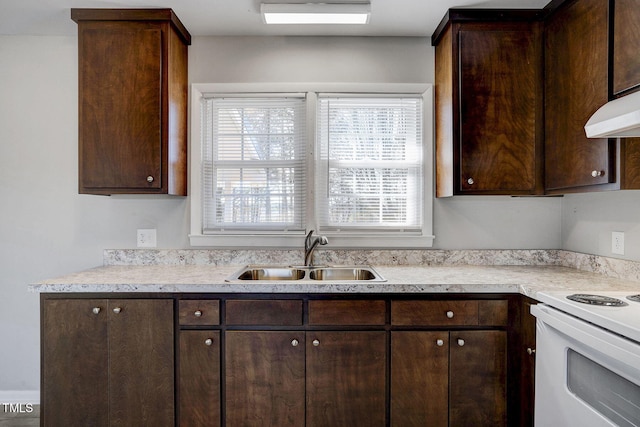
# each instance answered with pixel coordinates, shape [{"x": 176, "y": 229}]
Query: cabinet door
[
  {"x": 74, "y": 363},
  {"x": 120, "y": 105},
  {"x": 199, "y": 387},
  {"x": 576, "y": 62},
  {"x": 141, "y": 362},
  {"x": 346, "y": 378},
  {"x": 264, "y": 378},
  {"x": 477, "y": 382},
  {"x": 626, "y": 39},
  {"x": 419, "y": 379},
  {"x": 527, "y": 355},
  {"x": 500, "y": 96}
]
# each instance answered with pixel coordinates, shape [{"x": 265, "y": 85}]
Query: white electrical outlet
[
  {"x": 146, "y": 238},
  {"x": 617, "y": 242}
]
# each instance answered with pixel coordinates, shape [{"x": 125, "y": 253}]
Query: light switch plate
[
  {"x": 617, "y": 242},
  {"x": 146, "y": 238}
]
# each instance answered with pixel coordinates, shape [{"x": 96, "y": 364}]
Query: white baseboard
[{"x": 20, "y": 396}]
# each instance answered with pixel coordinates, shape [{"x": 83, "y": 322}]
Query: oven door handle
[{"x": 587, "y": 335}]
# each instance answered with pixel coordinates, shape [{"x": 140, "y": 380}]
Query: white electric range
[{"x": 587, "y": 359}]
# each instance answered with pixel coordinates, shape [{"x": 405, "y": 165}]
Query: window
[
  {"x": 253, "y": 167},
  {"x": 271, "y": 164}
]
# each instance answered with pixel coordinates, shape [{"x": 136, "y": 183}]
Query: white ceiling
[{"x": 242, "y": 17}]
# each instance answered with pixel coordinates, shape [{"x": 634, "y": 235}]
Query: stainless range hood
[{"x": 619, "y": 118}]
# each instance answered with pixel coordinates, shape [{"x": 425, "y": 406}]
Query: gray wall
[{"x": 47, "y": 229}]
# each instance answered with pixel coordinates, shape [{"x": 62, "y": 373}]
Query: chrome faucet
[{"x": 310, "y": 244}]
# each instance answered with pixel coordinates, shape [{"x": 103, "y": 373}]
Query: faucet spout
[{"x": 310, "y": 244}]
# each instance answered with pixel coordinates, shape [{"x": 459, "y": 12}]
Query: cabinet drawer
[
  {"x": 360, "y": 312},
  {"x": 449, "y": 313},
  {"x": 199, "y": 312},
  {"x": 264, "y": 312}
]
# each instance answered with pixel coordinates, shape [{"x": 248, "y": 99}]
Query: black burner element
[
  {"x": 597, "y": 300},
  {"x": 635, "y": 298}
]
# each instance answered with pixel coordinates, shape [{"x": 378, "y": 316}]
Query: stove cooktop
[{"x": 623, "y": 319}]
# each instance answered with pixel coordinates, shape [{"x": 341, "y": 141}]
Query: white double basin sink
[{"x": 356, "y": 273}]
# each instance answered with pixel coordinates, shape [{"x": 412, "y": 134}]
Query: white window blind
[
  {"x": 369, "y": 164},
  {"x": 253, "y": 163}
]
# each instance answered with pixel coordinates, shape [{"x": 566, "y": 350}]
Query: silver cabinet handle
[
  {"x": 470, "y": 181},
  {"x": 596, "y": 173},
  {"x": 117, "y": 310},
  {"x": 149, "y": 179},
  {"x": 96, "y": 310},
  {"x": 531, "y": 351},
  {"x": 315, "y": 343},
  {"x": 295, "y": 342},
  {"x": 208, "y": 341},
  {"x": 197, "y": 313},
  {"x": 450, "y": 314},
  {"x": 460, "y": 342},
  {"x": 439, "y": 343}
]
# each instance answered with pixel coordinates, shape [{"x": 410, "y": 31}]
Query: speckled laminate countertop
[{"x": 526, "y": 280}]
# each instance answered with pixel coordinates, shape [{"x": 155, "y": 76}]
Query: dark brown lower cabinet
[
  {"x": 346, "y": 378},
  {"x": 448, "y": 378},
  {"x": 199, "y": 386},
  {"x": 264, "y": 378},
  {"x": 268, "y": 375},
  {"x": 107, "y": 362}
]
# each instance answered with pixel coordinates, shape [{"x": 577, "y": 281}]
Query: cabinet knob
[
  {"x": 470, "y": 181},
  {"x": 96, "y": 310},
  {"x": 208, "y": 341},
  {"x": 295, "y": 342},
  {"x": 531, "y": 351},
  {"x": 197, "y": 313},
  {"x": 460, "y": 342},
  {"x": 450, "y": 314},
  {"x": 149, "y": 179},
  {"x": 439, "y": 343},
  {"x": 596, "y": 174},
  {"x": 316, "y": 343},
  {"x": 117, "y": 310}
]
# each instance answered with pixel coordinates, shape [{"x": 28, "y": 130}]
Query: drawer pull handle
[
  {"x": 117, "y": 310},
  {"x": 470, "y": 181},
  {"x": 531, "y": 351},
  {"x": 439, "y": 343},
  {"x": 316, "y": 343},
  {"x": 295, "y": 342},
  {"x": 208, "y": 341},
  {"x": 450, "y": 314},
  {"x": 596, "y": 174},
  {"x": 150, "y": 179},
  {"x": 198, "y": 313},
  {"x": 460, "y": 342},
  {"x": 96, "y": 310}
]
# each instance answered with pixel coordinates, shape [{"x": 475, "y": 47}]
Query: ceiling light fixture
[{"x": 315, "y": 13}]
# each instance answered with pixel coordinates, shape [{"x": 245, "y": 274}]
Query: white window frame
[{"x": 370, "y": 240}]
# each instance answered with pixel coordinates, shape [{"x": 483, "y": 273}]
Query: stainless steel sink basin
[
  {"x": 303, "y": 273},
  {"x": 343, "y": 273},
  {"x": 270, "y": 273}
]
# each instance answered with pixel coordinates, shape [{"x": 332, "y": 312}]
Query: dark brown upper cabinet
[
  {"x": 626, "y": 39},
  {"x": 489, "y": 105},
  {"x": 132, "y": 66},
  {"x": 576, "y": 85}
]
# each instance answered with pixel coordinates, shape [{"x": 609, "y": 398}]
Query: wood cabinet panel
[
  {"x": 132, "y": 67},
  {"x": 265, "y": 378},
  {"x": 500, "y": 96},
  {"x": 141, "y": 362},
  {"x": 347, "y": 312},
  {"x": 419, "y": 379},
  {"x": 434, "y": 313},
  {"x": 630, "y": 163},
  {"x": 199, "y": 312},
  {"x": 478, "y": 388},
  {"x": 626, "y": 39},
  {"x": 73, "y": 342},
  {"x": 264, "y": 312},
  {"x": 346, "y": 378},
  {"x": 199, "y": 373},
  {"x": 576, "y": 63}
]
